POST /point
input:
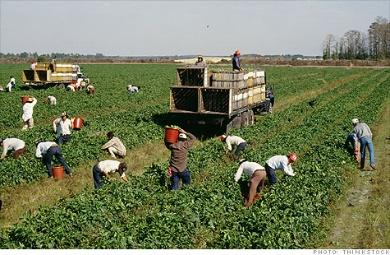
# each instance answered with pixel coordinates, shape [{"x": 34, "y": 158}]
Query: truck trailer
[{"x": 222, "y": 99}]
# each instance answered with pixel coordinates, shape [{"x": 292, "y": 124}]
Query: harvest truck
[
  {"x": 52, "y": 74},
  {"x": 217, "y": 98}
]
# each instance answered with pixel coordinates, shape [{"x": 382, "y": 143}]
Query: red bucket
[
  {"x": 78, "y": 123},
  {"x": 58, "y": 172},
  {"x": 171, "y": 135},
  {"x": 25, "y": 99}
]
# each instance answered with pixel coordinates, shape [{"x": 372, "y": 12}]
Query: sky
[{"x": 181, "y": 27}]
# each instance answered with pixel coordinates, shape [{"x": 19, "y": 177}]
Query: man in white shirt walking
[
  {"x": 114, "y": 146},
  {"x": 62, "y": 127},
  {"x": 46, "y": 151},
  {"x": 106, "y": 167},
  {"x": 280, "y": 162},
  {"x": 257, "y": 176},
  {"x": 235, "y": 144},
  {"x": 13, "y": 144},
  {"x": 28, "y": 110}
]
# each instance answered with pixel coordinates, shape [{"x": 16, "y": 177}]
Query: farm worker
[
  {"x": 62, "y": 127},
  {"x": 257, "y": 176},
  {"x": 52, "y": 100},
  {"x": 1, "y": 89},
  {"x": 106, "y": 167},
  {"x": 280, "y": 162},
  {"x": 70, "y": 87},
  {"x": 52, "y": 65},
  {"x": 12, "y": 81},
  {"x": 354, "y": 141},
  {"x": 271, "y": 98},
  {"x": 236, "y": 61},
  {"x": 46, "y": 151},
  {"x": 133, "y": 89},
  {"x": 178, "y": 162},
  {"x": 91, "y": 89},
  {"x": 364, "y": 135},
  {"x": 114, "y": 146},
  {"x": 235, "y": 144},
  {"x": 9, "y": 87},
  {"x": 33, "y": 65},
  {"x": 200, "y": 61},
  {"x": 13, "y": 144},
  {"x": 28, "y": 109}
]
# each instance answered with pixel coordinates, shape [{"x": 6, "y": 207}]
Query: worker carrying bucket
[
  {"x": 178, "y": 142},
  {"x": 62, "y": 126}
]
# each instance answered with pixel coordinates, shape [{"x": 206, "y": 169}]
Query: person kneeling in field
[
  {"x": 235, "y": 144},
  {"x": 280, "y": 162},
  {"x": 257, "y": 176},
  {"x": 114, "y": 146},
  {"x": 91, "y": 90},
  {"x": 46, "y": 151},
  {"x": 106, "y": 167},
  {"x": 13, "y": 144}
]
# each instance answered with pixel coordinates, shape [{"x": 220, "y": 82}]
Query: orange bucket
[
  {"x": 58, "y": 172},
  {"x": 25, "y": 99},
  {"x": 171, "y": 135},
  {"x": 78, "y": 123}
]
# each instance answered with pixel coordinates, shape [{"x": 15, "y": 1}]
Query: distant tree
[
  {"x": 327, "y": 46},
  {"x": 379, "y": 39}
]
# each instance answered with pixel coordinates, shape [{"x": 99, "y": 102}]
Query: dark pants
[
  {"x": 240, "y": 148},
  {"x": 176, "y": 176},
  {"x": 63, "y": 139},
  {"x": 270, "y": 174},
  {"x": 47, "y": 158},
  {"x": 97, "y": 177}
]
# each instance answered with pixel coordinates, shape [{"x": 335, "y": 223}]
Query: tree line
[{"x": 373, "y": 44}]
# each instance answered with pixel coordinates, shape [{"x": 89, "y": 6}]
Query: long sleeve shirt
[
  {"x": 43, "y": 147},
  {"x": 52, "y": 100},
  {"x": 28, "y": 109},
  {"x": 362, "y": 130},
  {"x": 280, "y": 162},
  {"x": 179, "y": 153},
  {"x": 236, "y": 63},
  {"x": 232, "y": 140},
  {"x": 12, "y": 144},
  {"x": 63, "y": 126},
  {"x": 248, "y": 168},
  {"x": 109, "y": 166},
  {"x": 116, "y": 143}
]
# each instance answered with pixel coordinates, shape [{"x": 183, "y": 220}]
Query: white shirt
[
  {"x": 233, "y": 140},
  {"x": 43, "y": 147},
  {"x": 109, "y": 166},
  {"x": 12, "y": 144},
  {"x": 64, "y": 126},
  {"x": 9, "y": 86},
  {"x": 12, "y": 80},
  {"x": 249, "y": 168},
  {"x": 132, "y": 89},
  {"x": 28, "y": 109},
  {"x": 52, "y": 100},
  {"x": 33, "y": 65},
  {"x": 280, "y": 162}
]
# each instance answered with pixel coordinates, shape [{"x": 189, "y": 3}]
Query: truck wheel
[
  {"x": 237, "y": 122},
  {"x": 251, "y": 117},
  {"x": 245, "y": 119}
]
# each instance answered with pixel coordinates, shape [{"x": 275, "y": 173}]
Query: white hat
[
  {"x": 182, "y": 136},
  {"x": 355, "y": 121}
]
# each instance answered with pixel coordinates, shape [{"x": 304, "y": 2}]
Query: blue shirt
[{"x": 236, "y": 63}]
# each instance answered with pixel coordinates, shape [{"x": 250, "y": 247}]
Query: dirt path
[{"x": 361, "y": 219}]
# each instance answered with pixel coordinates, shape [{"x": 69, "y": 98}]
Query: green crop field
[{"x": 209, "y": 213}]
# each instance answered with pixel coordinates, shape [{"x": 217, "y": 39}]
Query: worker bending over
[
  {"x": 62, "y": 127},
  {"x": 179, "y": 156},
  {"x": 13, "y": 144},
  {"x": 91, "y": 90},
  {"x": 235, "y": 144},
  {"x": 46, "y": 151},
  {"x": 52, "y": 100},
  {"x": 105, "y": 168},
  {"x": 257, "y": 176},
  {"x": 114, "y": 146},
  {"x": 133, "y": 89},
  {"x": 280, "y": 162},
  {"x": 364, "y": 134}
]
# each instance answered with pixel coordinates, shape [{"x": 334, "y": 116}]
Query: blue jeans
[
  {"x": 364, "y": 142},
  {"x": 97, "y": 176},
  {"x": 47, "y": 158},
  {"x": 63, "y": 139},
  {"x": 270, "y": 174},
  {"x": 240, "y": 148},
  {"x": 176, "y": 176}
]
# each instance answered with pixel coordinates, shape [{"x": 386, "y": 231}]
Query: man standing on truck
[
  {"x": 200, "y": 62},
  {"x": 235, "y": 144},
  {"x": 179, "y": 156},
  {"x": 62, "y": 127},
  {"x": 46, "y": 151},
  {"x": 257, "y": 176},
  {"x": 236, "y": 61},
  {"x": 280, "y": 162},
  {"x": 28, "y": 109},
  {"x": 364, "y": 135},
  {"x": 13, "y": 144},
  {"x": 114, "y": 146}
]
